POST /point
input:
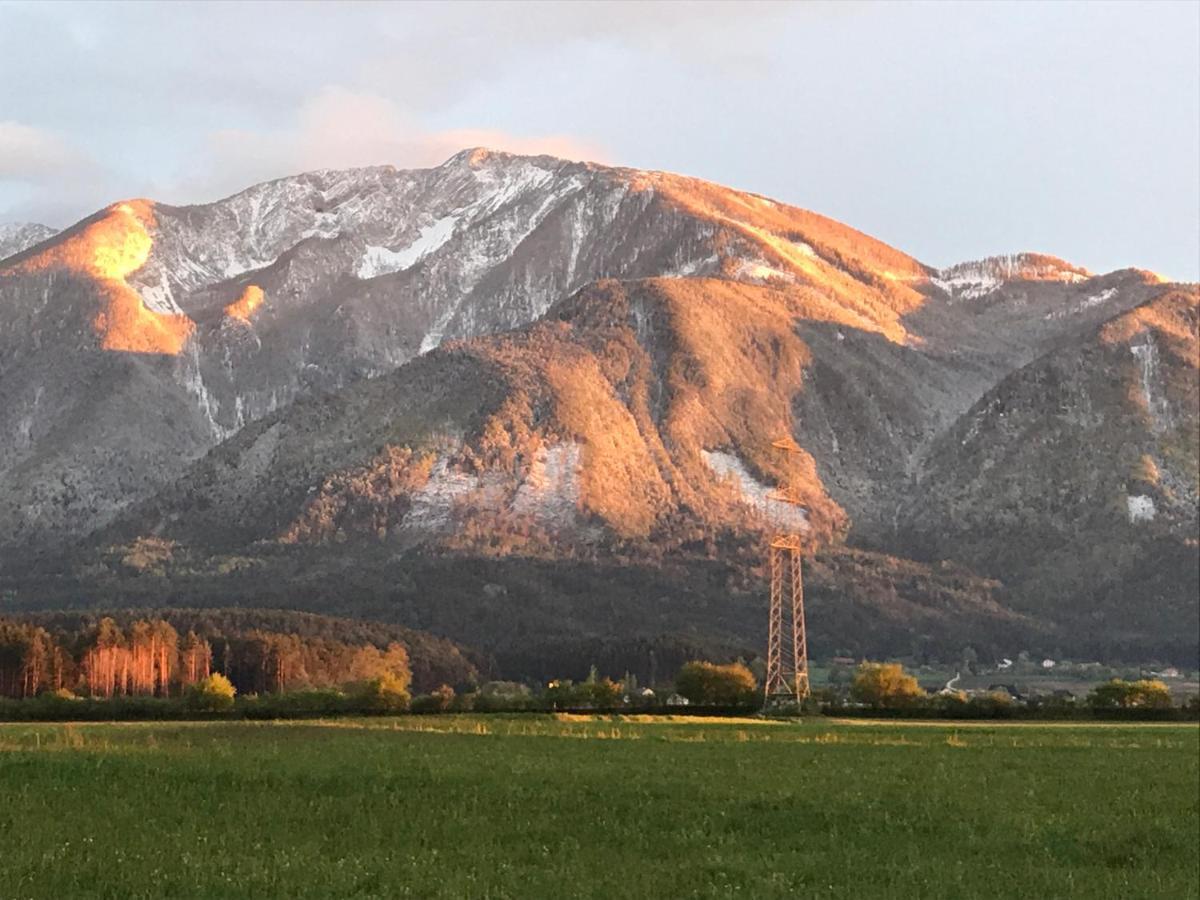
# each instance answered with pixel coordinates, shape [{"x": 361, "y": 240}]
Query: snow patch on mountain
[
  {"x": 381, "y": 261},
  {"x": 1153, "y": 394},
  {"x": 695, "y": 267},
  {"x": 759, "y": 271},
  {"x": 550, "y": 492},
  {"x": 433, "y": 504},
  {"x": 1141, "y": 508},
  {"x": 753, "y": 492}
]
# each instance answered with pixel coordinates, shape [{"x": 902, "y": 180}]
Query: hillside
[
  {"x": 623, "y": 430},
  {"x": 1075, "y": 481},
  {"x": 527, "y": 404}
]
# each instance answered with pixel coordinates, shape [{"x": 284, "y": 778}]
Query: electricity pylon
[{"x": 787, "y": 642}]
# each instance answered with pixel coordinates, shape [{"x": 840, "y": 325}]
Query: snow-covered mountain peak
[{"x": 18, "y": 236}]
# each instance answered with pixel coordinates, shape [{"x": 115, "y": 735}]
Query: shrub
[
  {"x": 212, "y": 694},
  {"x": 296, "y": 704},
  {"x": 992, "y": 705},
  {"x": 385, "y": 694}
]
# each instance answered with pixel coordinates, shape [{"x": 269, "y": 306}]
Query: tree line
[{"x": 148, "y": 657}]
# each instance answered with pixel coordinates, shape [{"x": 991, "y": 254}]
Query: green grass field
[{"x": 591, "y": 807}]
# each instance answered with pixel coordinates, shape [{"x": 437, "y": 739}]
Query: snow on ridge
[
  {"x": 978, "y": 278},
  {"x": 1084, "y": 304},
  {"x": 16, "y": 237},
  {"x": 381, "y": 261}
]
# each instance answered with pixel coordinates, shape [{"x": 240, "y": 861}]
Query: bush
[
  {"x": 590, "y": 694},
  {"x": 885, "y": 686},
  {"x": 992, "y": 705},
  {"x": 212, "y": 694},
  {"x": 503, "y": 695},
  {"x": 707, "y": 684},
  {"x": 296, "y": 704},
  {"x": 385, "y": 694}
]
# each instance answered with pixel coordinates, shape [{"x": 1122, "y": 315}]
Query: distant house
[
  {"x": 678, "y": 700},
  {"x": 1005, "y": 663},
  {"x": 844, "y": 661},
  {"x": 1048, "y": 664},
  {"x": 1168, "y": 672}
]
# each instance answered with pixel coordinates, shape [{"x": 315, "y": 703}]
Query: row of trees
[
  {"x": 888, "y": 686},
  {"x": 148, "y": 658}
]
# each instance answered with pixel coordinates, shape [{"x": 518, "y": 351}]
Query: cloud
[
  {"x": 338, "y": 129},
  {"x": 34, "y": 155},
  {"x": 44, "y": 178}
]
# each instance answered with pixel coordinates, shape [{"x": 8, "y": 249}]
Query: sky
[{"x": 949, "y": 130}]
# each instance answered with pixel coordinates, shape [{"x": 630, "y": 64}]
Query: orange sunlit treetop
[{"x": 244, "y": 306}]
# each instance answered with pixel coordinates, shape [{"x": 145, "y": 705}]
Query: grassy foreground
[{"x": 594, "y": 807}]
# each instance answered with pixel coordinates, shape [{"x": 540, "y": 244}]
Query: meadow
[{"x": 563, "y": 806}]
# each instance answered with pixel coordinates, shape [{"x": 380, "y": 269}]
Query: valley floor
[{"x": 592, "y": 806}]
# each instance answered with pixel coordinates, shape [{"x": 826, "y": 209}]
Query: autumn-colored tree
[
  {"x": 212, "y": 694},
  {"x": 884, "y": 685},
  {"x": 708, "y": 684},
  {"x": 1119, "y": 694},
  {"x": 106, "y": 661}
]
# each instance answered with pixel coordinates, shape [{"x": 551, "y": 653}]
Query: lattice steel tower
[{"x": 787, "y": 643}]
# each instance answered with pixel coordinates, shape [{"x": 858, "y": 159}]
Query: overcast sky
[{"x": 950, "y": 131}]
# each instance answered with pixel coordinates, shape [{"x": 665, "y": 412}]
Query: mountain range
[{"x": 528, "y": 404}]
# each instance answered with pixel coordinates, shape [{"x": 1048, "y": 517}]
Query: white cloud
[
  {"x": 339, "y": 128},
  {"x": 34, "y": 155}
]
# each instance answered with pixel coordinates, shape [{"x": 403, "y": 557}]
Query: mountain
[
  {"x": 528, "y": 404},
  {"x": 141, "y": 337},
  {"x": 18, "y": 236}
]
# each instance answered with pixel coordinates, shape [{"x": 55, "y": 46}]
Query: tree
[
  {"x": 969, "y": 658},
  {"x": 212, "y": 694},
  {"x": 28, "y": 660},
  {"x": 884, "y": 685},
  {"x": 1119, "y": 694},
  {"x": 708, "y": 684}
]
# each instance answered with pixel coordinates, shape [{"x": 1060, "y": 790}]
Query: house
[
  {"x": 1048, "y": 664},
  {"x": 1005, "y": 663},
  {"x": 678, "y": 700}
]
